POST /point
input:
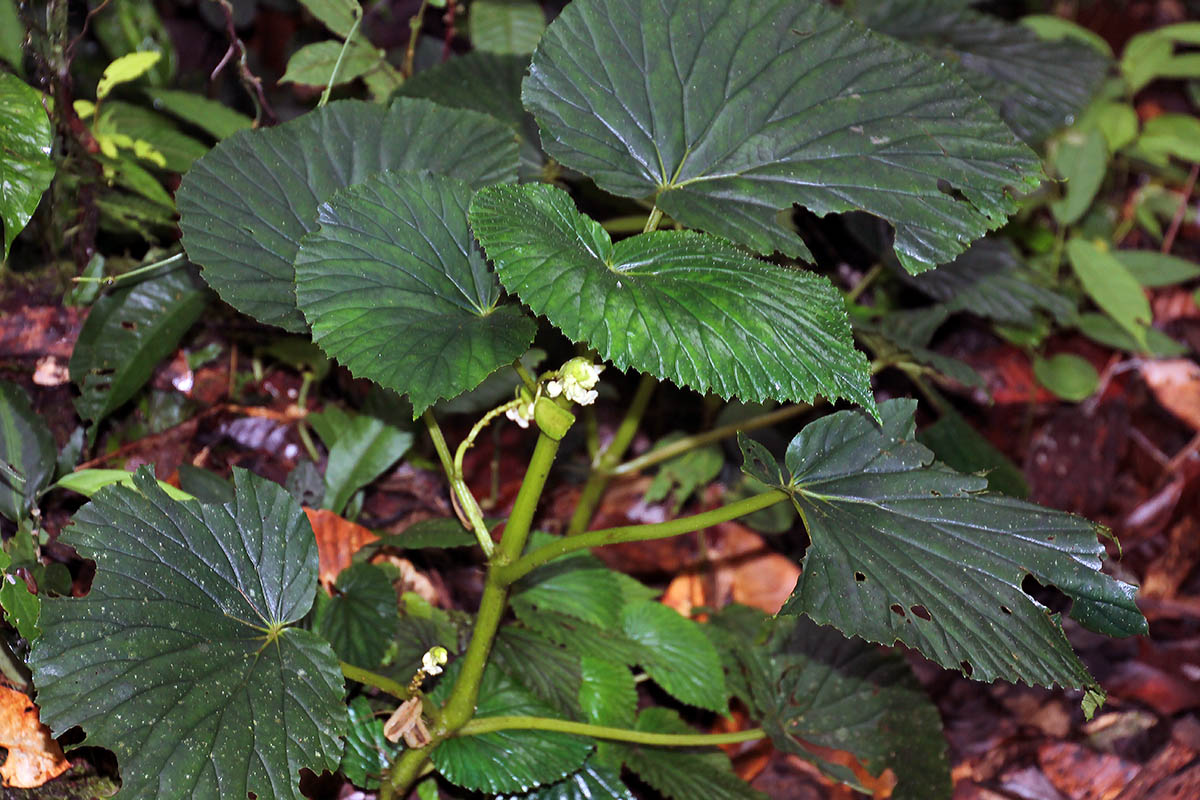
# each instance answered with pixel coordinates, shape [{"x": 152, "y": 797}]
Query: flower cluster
[
  {"x": 577, "y": 381},
  {"x": 520, "y": 410}
]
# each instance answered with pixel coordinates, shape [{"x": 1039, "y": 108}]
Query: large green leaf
[
  {"x": 905, "y": 549},
  {"x": 359, "y": 452},
  {"x": 592, "y": 781},
  {"x": 506, "y": 26},
  {"x": 581, "y": 637},
  {"x": 1036, "y": 85},
  {"x": 683, "y": 773},
  {"x": 511, "y": 760},
  {"x": 592, "y": 595},
  {"x": 1111, "y": 286},
  {"x": 27, "y": 452},
  {"x": 491, "y": 84},
  {"x": 680, "y": 305},
  {"x": 181, "y": 659},
  {"x": 127, "y": 333},
  {"x": 676, "y": 654},
  {"x": 726, "y": 111},
  {"x": 245, "y": 205},
  {"x": 396, "y": 289},
  {"x": 550, "y": 672},
  {"x": 25, "y": 166},
  {"x": 359, "y": 618},
  {"x": 810, "y": 685}
]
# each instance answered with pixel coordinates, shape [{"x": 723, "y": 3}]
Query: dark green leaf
[
  {"x": 549, "y": 672},
  {"x": 607, "y": 693},
  {"x": 246, "y": 205},
  {"x": 429, "y": 533},
  {"x": 990, "y": 280},
  {"x": 512, "y": 760},
  {"x": 592, "y": 781},
  {"x": 726, "y": 111},
  {"x": 396, "y": 290},
  {"x": 811, "y": 686},
  {"x": 179, "y": 149},
  {"x": 21, "y": 607},
  {"x": 1034, "y": 84},
  {"x": 356, "y": 621},
  {"x": 12, "y": 36},
  {"x": 682, "y": 306},
  {"x": 216, "y": 119},
  {"x": 27, "y": 453},
  {"x": 359, "y": 454},
  {"x": 958, "y": 445},
  {"x": 676, "y": 654},
  {"x": 127, "y": 333},
  {"x": 496, "y": 388},
  {"x": 905, "y": 549},
  {"x": 1101, "y": 328},
  {"x": 1067, "y": 375},
  {"x": 506, "y": 26},
  {"x": 581, "y": 637},
  {"x": 592, "y": 595},
  {"x": 488, "y": 83},
  {"x": 180, "y": 659},
  {"x": 1108, "y": 283},
  {"x": 25, "y": 168},
  {"x": 683, "y": 773},
  {"x": 205, "y": 486},
  {"x": 1152, "y": 268},
  {"x": 368, "y": 752}
]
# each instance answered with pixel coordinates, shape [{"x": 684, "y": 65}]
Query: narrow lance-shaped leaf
[
  {"x": 682, "y": 306},
  {"x": 397, "y": 291},
  {"x": 244, "y": 206},
  {"x": 727, "y": 111},
  {"x": 905, "y": 549},
  {"x": 182, "y": 659}
]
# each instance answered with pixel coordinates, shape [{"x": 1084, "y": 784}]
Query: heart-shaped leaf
[
  {"x": 680, "y": 305},
  {"x": 810, "y": 685},
  {"x": 395, "y": 288},
  {"x": 25, "y": 168},
  {"x": 181, "y": 659},
  {"x": 510, "y": 760},
  {"x": 244, "y": 206},
  {"x": 906, "y": 549},
  {"x": 726, "y": 111}
]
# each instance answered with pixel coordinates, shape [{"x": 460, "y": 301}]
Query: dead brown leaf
[
  {"x": 1084, "y": 774},
  {"x": 1176, "y": 385},
  {"x": 33, "y": 755},
  {"x": 338, "y": 540}
]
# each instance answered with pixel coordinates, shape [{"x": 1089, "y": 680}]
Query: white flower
[
  {"x": 578, "y": 379},
  {"x": 554, "y": 388},
  {"x": 432, "y": 661},
  {"x": 521, "y": 413}
]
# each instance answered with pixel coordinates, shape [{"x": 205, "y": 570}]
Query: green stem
[
  {"x": 860, "y": 287},
  {"x": 603, "y": 465},
  {"x": 526, "y": 378},
  {"x": 381, "y": 682},
  {"x": 639, "y": 533},
  {"x": 131, "y": 273},
  {"x": 652, "y": 221},
  {"x": 687, "y": 443},
  {"x": 461, "y": 706},
  {"x": 337, "y": 65},
  {"x": 466, "y": 500},
  {"x": 414, "y": 33},
  {"x": 483, "y": 725}
]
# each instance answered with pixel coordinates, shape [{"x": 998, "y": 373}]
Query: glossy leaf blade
[
  {"x": 905, "y": 549},
  {"x": 25, "y": 168},
  {"x": 727, "y": 111},
  {"x": 676, "y": 654},
  {"x": 245, "y": 206},
  {"x": 592, "y": 781},
  {"x": 512, "y": 760},
  {"x": 27, "y": 451},
  {"x": 396, "y": 290},
  {"x": 167, "y": 661},
  {"x": 682, "y": 306},
  {"x": 359, "y": 617},
  {"x": 127, "y": 334},
  {"x": 1036, "y": 85}
]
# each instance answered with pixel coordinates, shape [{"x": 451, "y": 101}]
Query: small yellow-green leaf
[
  {"x": 313, "y": 64},
  {"x": 125, "y": 69},
  {"x": 1068, "y": 376},
  {"x": 89, "y": 481},
  {"x": 1109, "y": 284}
]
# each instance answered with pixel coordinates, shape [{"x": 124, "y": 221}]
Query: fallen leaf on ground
[
  {"x": 338, "y": 539},
  {"x": 33, "y": 755},
  {"x": 1176, "y": 385}
]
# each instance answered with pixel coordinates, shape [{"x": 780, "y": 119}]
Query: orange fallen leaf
[
  {"x": 1176, "y": 385},
  {"x": 33, "y": 755},
  {"x": 338, "y": 539},
  {"x": 741, "y": 568}
]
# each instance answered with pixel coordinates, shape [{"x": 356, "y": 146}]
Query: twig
[
  {"x": 70, "y": 51},
  {"x": 1181, "y": 212},
  {"x": 414, "y": 33},
  {"x": 249, "y": 80}
]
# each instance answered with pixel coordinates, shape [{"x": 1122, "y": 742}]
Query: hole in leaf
[
  {"x": 1006, "y": 610},
  {"x": 967, "y": 669},
  {"x": 129, "y": 326},
  {"x": 858, "y": 576},
  {"x": 1049, "y": 596},
  {"x": 899, "y": 609},
  {"x": 921, "y": 612},
  {"x": 945, "y": 187}
]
